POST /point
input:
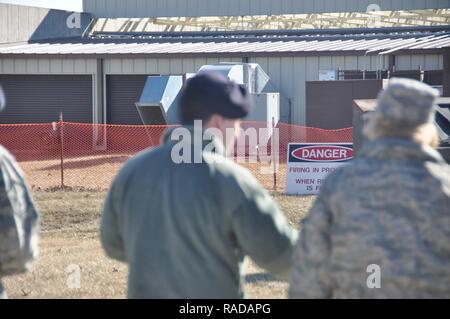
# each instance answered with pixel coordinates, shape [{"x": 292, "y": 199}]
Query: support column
[
  {"x": 446, "y": 77},
  {"x": 99, "y": 84}
]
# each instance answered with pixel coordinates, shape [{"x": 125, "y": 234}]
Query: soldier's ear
[
  {"x": 427, "y": 135},
  {"x": 215, "y": 121}
]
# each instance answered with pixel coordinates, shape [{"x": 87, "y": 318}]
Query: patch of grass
[
  {"x": 69, "y": 212},
  {"x": 294, "y": 207},
  {"x": 69, "y": 236}
]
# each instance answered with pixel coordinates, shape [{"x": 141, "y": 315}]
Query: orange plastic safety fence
[{"x": 89, "y": 155}]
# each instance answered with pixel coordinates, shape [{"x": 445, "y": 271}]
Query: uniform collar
[{"x": 400, "y": 149}]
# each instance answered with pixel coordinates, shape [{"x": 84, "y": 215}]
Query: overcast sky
[{"x": 69, "y": 5}]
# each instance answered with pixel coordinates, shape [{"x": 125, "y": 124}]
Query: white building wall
[
  {"x": 48, "y": 66},
  {"x": 19, "y": 23},
  {"x": 12, "y": 28},
  {"x": 164, "y": 66},
  {"x": 413, "y": 62}
]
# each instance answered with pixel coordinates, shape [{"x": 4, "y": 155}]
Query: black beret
[{"x": 210, "y": 93}]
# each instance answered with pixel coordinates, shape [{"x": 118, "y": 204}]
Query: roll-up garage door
[
  {"x": 123, "y": 91},
  {"x": 40, "y": 98}
]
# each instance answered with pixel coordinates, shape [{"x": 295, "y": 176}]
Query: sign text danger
[{"x": 309, "y": 165}]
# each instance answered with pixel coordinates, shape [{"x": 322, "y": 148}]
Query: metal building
[{"x": 98, "y": 75}]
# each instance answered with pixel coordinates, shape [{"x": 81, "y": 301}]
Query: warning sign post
[{"x": 309, "y": 164}]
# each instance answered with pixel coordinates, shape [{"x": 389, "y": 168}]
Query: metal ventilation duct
[
  {"x": 250, "y": 75},
  {"x": 158, "y": 104}
]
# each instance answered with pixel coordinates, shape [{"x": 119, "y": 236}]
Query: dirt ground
[
  {"x": 97, "y": 172},
  {"x": 89, "y": 172},
  {"x": 69, "y": 236}
]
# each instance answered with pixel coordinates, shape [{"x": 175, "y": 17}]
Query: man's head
[
  {"x": 216, "y": 101},
  {"x": 405, "y": 110}
]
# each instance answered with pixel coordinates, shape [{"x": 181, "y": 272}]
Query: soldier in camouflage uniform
[
  {"x": 390, "y": 208},
  {"x": 18, "y": 218}
]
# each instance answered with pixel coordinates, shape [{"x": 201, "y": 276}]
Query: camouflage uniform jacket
[
  {"x": 18, "y": 220},
  {"x": 390, "y": 207}
]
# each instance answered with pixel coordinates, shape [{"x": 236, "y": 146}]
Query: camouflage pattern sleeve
[
  {"x": 310, "y": 276},
  {"x": 18, "y": 219}
]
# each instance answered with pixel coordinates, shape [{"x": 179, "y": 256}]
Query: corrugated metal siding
[
  {"x": 47, "y": 66},
  {"x": 160, "y": 66},
  {"x": 195, "y": 8},
  {"x": 289, "y": 75},
  {"x": 123, "y": 91},
  {"x": 40, "y": 98},
  {"x": 428, "y": 62},
  {"x": 12, "y": 29}
]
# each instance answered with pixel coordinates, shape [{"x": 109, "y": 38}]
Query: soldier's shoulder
[
  {"x": 347, "y": 173},
  {"x": 5, "y": 155},
  {"x": 8, "y": 162},
  {"x": 142, "y": 160},
  {"x": 440, "y": 171}
]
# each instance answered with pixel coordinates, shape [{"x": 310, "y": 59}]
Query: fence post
[
  {"x": 61, "y": 142},
  {"x": 273, "y": 156}
]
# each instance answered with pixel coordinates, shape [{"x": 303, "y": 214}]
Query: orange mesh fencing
[{"x": 88, "y": 156}]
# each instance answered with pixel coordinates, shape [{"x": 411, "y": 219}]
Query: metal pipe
[
  {"x": 229, "y": 38},
  {"x": 272, "y": 150},
  {"x": 61, "y": 141}
]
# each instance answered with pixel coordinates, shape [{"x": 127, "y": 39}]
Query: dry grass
[{"x": 69, "y": 235}]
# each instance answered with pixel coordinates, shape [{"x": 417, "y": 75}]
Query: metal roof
[{"x": 302, "y": 42}]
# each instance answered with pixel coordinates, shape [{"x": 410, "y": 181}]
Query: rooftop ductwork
[
  {"x": 158, "y": 104},
  {"x": 250, "y": 75}
]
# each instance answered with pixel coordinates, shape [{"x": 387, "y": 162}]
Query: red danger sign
[
  {"x": 323, "y": 153},
  {"x": 309, "y": 165}
]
